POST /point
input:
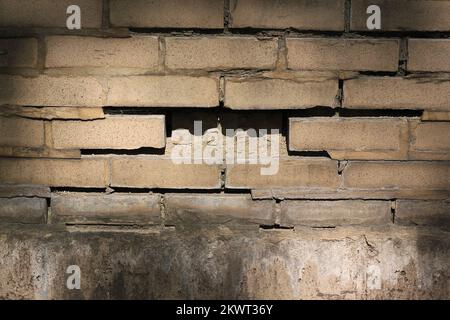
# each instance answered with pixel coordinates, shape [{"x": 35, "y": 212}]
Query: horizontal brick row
[
  {"x": 326, "y": 15},
  {"x": 19, "y": 53},
  {"x": 23, "y": 210},
  {"x": 307, "y": 174},
  {"x": 371, "y": 138},
  {"x": 429, "y": 55}
]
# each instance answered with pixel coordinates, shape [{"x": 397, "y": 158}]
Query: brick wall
[{"x": 89, "y": 120}]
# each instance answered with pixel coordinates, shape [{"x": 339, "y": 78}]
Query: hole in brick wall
[
  {"x": 275, "y": 226},
  {"x": 78, "y": 189},
  {"x": 177, "y": 31},
  {"x": 309, "y": 153}
]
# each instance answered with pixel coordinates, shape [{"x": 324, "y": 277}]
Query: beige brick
[
  {"x": 44, "y": 152},
  {"x": 430, "y": 141},
  {"x": 351, "y": 138},
  {"x": 416, "y": 212},
  {"x": 124, "y": 209},
  {"x": 299, "y": 14},
  {"x": 397, "y": 93},
  {"x": 412, "y": 175},
  {"x": 23, "y": 210},
  {"x": 19, "y": 132},
  {"x": 429, "y": 54},
  {"x": 167, "y": 13},
  {"x": 51, "y": 91},
  {"x": 309, "y": 173},
  {"x": 48, "y": 13},
  {"x": 50, "y": 113},
  {"x": 279, "y": 93},
  {"x": 87, "y": 172},
  {"x": 159, "y": 172},
  {"x": 217, "y": 53},
  {"x": 343, "y": 54},
  {"x": 403, "y": 15},
  {"x": 335, "y": 213},
  {"x": 435, "y": 116},
  {"x": 18, "y": 52},
  {"x": 12, "y": 191},
  {"x": 163, "y": 91},
  {"x": 134, "y": 52},
  {"x": 114, "y": 132},
  {"x": 189, "y": 210}
]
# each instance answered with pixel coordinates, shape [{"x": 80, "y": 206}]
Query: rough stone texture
[
  {"x": 87, "y": 172},
  {"x": 351, "y": 138},
  {"x": 114, "y": 132},
  {"x": 44, "y": 152},
  {"x": 51, "y": 91},
  {"x": 167, "y": 14},
  {"x": 18, "y": 52},
  {"x": 403, "y": 15},
  {"x": 298, "y": 14},
  {"x": 335, "y": 213},
  {"x": 163, "y": 91},
  {"x": 21, "y": 132},
  {"x": 397, "y": 93},
  {"x": 50, "y": 113},
  {"x": 429, "y": 54},
  {"x": 279, "y": 93},
  {"x": 342, "y": 54},
  {"x": 412, "y": 175},
  {"x": 212, "y": 53},
  {"x": 423, "y": 213},
  {"x": 23, "y": 210},
  {"x": 91, "y": 208},
  {"x": 48, "y": 13},
  {"x": 345, "y": 263},
  {"x": 430, "y": 140},
  {"x": 77, "y": 52},
  {"x": 313, "y": 173},
  {"x": 190, "y": 211},
  {"x": 160, "y": 172}
]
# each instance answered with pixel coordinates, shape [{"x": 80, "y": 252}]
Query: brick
[
  {"x": 298, "y": 14},
  {"x": 12, "y": 191},
  {"x": 403, "y": 15},
  {"x": 87, "y": 172},
  {"x": 159, "y": 172},
  {"x": 19, "y": 132},
  {"x": 114, "y": 132},
  {"x": 44, "y": 152},
  {"x": 397, "y": 93},
  {"x": 188, "y": 210},
  {"x": 423, "y": 213},
  {"x": 430, "y": 141},
  {"x": 48, "y": 13},
  {"x": 50, "y": 91},
  {"x": 429, "y": 54},
  {"x": 312, "y": 173},
  {"x": 279, "y": 93},
  {"x": 167, "y": 14},
  {"x": 435, "y": 116},
  {"x": 51, "y": 113},
  {"x": 163, "y": 91},
  {"x": 23, "y": 210},
  {"x": 218, "y": 53},
  {"x": 18, "y": 53},
  {"x": 335, "y": 213},
  {"x": 127, "y": 209},
  {"x": 351, "y": 138},
  {"x": 343, "y": 54},
  {"x": 412, "y": 175},
  {"x": 68, "y": 51}
]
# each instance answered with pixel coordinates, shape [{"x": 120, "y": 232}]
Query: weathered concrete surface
[{"x": 388, "y": 262}]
